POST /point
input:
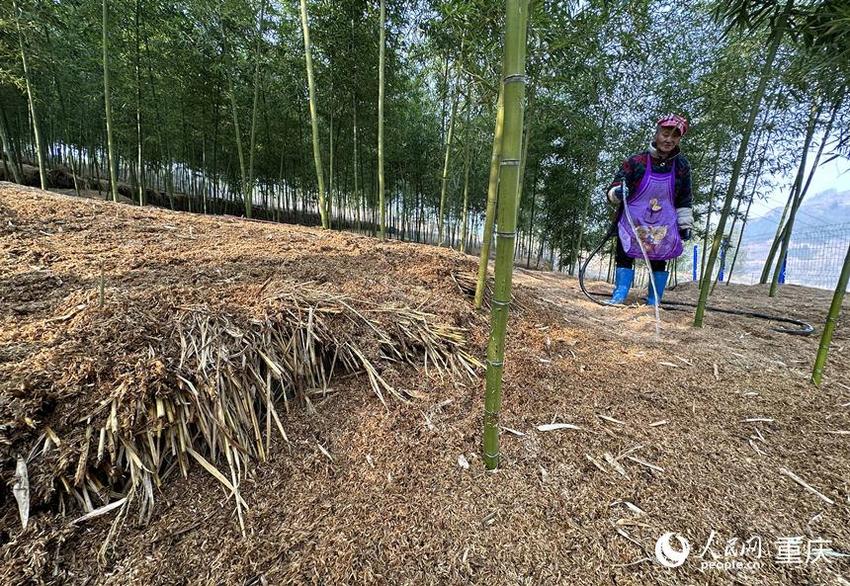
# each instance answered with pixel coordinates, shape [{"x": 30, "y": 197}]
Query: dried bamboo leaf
[
  {"x": 557, "y": 426},
  {"x": 100, "y": 511}
]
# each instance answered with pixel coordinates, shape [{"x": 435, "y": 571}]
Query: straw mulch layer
[{"x": 140, "y": 345}]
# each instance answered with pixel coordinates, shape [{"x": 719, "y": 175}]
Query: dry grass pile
[
  {"x": 118, "y": 383},
  {"x": 208, "y": 391}
]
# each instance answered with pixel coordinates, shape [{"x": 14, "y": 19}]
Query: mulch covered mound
[{"x": 692, "y": 431}]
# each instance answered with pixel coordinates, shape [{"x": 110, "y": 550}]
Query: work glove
[
  {"x": 685, "y": 234},
  {"x": 618, "y": 192},
  {"x": 615, "y": 195}
]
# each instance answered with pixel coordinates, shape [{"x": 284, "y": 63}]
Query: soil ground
[{"x": 690, "y": 432}]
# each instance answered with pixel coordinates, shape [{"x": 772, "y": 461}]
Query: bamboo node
[{"x": 516, "y": 78}]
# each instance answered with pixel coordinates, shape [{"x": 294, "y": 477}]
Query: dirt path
[{"x": 686, "y": 433}]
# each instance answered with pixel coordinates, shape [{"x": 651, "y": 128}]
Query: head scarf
[{"x": 675, "y": 121}]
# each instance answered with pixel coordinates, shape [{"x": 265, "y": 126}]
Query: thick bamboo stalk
[
  {"x": 831, "y": 320},
  {"x": 492, "y": 187},
  {"x": 314, "y": 116},
  {"x": 514, "y": 81}
]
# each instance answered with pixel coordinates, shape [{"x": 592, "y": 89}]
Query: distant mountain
[
  {"x": 827, "y": 207},
  {"x": 818, "y": 244}
]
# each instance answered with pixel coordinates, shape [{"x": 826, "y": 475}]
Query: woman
[{"x": 660, "y": 203}]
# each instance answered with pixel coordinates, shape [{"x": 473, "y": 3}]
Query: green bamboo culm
[
  {"x": 252, "y": 145},
  {"x": 314, "y": 116},
  {"x": 492, "y": 187},
  {"x": 467, "y": 148},
  {"x": 516, "y": 18},
  {"x": 241, "y": 156},
  {"x": 381, "y": 117},
  {"x": 110, "y": 150},
  {"x": 445, "y": 177},
  {"x": 30, "y": 101},
  {"x": 831, "y": 320}
]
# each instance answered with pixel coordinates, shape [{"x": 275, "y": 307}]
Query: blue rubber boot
[
  {"x": 660, "y": 278},
  {"x": 623, "y": 278}
]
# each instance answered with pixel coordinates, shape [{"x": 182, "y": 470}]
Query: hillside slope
[{"x": 689, "y": 432}]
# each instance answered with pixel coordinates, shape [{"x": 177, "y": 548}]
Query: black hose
[
  {"x": 589, "y": 294},
  {"x": 803, "y": 328}
]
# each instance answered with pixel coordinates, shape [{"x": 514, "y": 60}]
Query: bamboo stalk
[
  {"x": 41, "y": 170},
  {"x": 831, "y": 320},
  {"x": 467, "y": 148},
  {"x": 108, "y": 106},
  {"x": 381, "y": 65},
  {"x": 492, "y": 189},
  {"x": 314, "y": 116},
  {"x": 445, "y": 176},
  {"x": 249, "y": 185},
  {"x": 514, "y": 83},
  {"x": 139, "y": 148}
]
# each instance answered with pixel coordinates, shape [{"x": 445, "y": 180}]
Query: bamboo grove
[{"x": 378, "y": 115}]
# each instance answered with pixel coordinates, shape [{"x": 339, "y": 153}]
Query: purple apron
[{"x": 654, "y": 213}]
